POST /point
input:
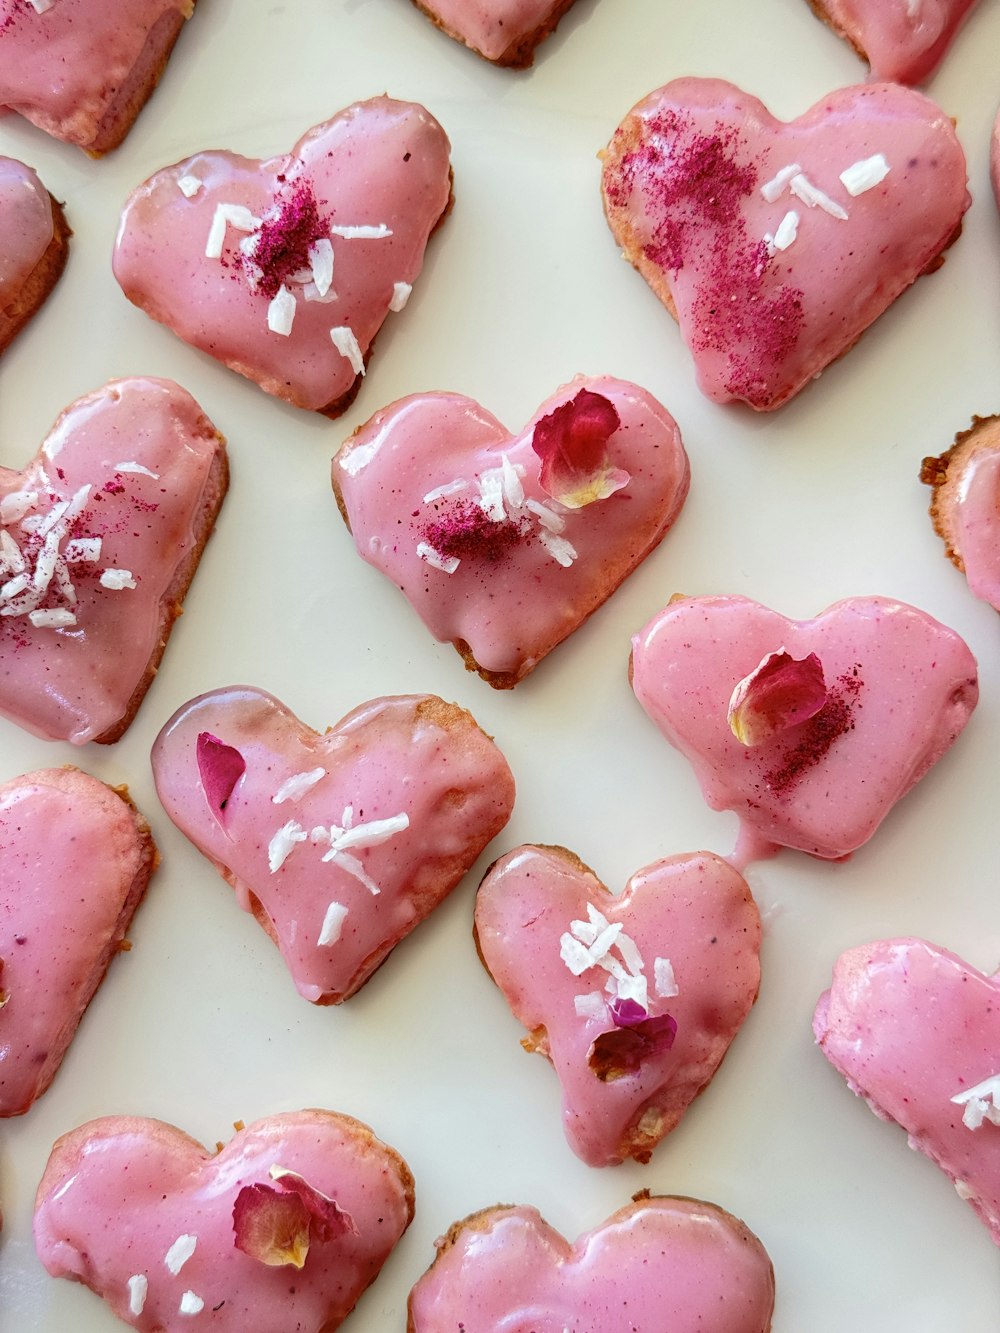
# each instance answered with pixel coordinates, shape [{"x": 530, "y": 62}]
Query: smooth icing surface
[
  {"x": 911, "y": 1026},
  {"x": 492, "y": 27},
  {"x": 977, "y": 525},
  {"x": 411, "y": 756},
  {"x": 509, "y": 601},
  {"x": 61, "y": 903},
  {"x": 902, "y": 40},
  {"x": 657, "y": 1264},
  {"x": 380, "y": 165},
  {"x": 26, "y": 229},
  {"x": 118, "y": 1193},
  {"x": 128, "y": 465},
  {"x": 900, "y": 688},
  {"x": 684, "y": 180},
  {"x": 694, "y": 911},
  {"x": 64, "y": 68}
]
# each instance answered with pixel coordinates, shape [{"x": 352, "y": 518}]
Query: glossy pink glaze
[
  {"x": 491, "y": 27},
  {"x": 62, "y": 901},
  {"x": 74, "y": 683},
  {"x": 695, "y": 910},
  {"x": 512, "y": 610},
  {"x": 656, "y": 1264},
  {"x": 26, "y": 229},
  {"x": 682, "y": 186},
  {"x": 378, "y": 163},
  {"x": 901, "y": 688},
  {"x": 63, "y": 69},
  {"x": 409, "y": 755},
  {"x": 976, "y": 522},
  {"x": 910, "y": 1026},
  {"x": 118, "y": 1193},
  {"x": 904, "y": 41}
]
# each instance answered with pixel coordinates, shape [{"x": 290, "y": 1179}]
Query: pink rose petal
[
  {"x": 572, "y": 442},
  {"x": 778, "y": 694},
  {"x": 220, "y": 767}
]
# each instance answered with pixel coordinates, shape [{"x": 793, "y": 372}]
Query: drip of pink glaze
[
  {"x": 26, "y": 228},
  {"x": 902, "y": 688},
  {"x": 910, "y": 1026},
  {"x": 684, "y": 187},
  {"x": 750, "y": 847},
  {"x": 675, "y": 1264},
  {"x": 903, "y": 41}
]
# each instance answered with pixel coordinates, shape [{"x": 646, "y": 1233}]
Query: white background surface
[{"x": 199, "y": 1025}]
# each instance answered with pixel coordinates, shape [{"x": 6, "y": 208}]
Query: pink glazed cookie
[
  {"x": 340, "y": 843},
  {"x": 282, "y": 1229},
  {"x": 780, "y": 717},
  {"x": 903, "y": 41},
  {"x": 965, "y": 508},
  {"x": 634, "y": 999},
  {"x": 81, "y": 70},
  {"x": 505, "y": 544},
  {"x": 100, "y": 537},
  {"x": 286, "y": 269},
  {"x": 658, "y": 1263},
  {"x": 66, "y": 903},
  {"x": 916, "y": 1033},
  {"x": 776, "y": 244},
  {"x": 503, "y": 31},
  {"x": 34, "y": 245}
]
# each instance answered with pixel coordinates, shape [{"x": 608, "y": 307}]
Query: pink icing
[
  {"x": 674, "y": 1264},
  {"x": 379, "y": 164},
  {"x": 64, "y": 69},
  {"x": 410, "y": 756},
  {"x": 977, "y": 525},
  {"x": 903, "y": 40},
  {"x": 492, "y": 27},
  {"x": 683, "y": 182},
  {"x": 901, "y": 688},
  {"x": 26, "y": 229},
  {"x": 695, "y": 911},
  {"x": 119, "y": 1192},
  {"x": 74, "y": 683},
  {"x": 509, "y": 600},
  {"x": 910, "y": 1026},
  {"x": 52, "y": 942}
]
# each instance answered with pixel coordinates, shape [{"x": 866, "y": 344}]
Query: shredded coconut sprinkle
[
  {"x": 41, "y": 6},
  {"x": 138, "y": 1286},
  {"x": 227, "y": 215},
  {"x": 180, "y": 1252},
  {"x": 664, "y": 981},
  {"x": 57, "y": 618},
  {"x": 283, "y": 843},
  {"x": 191, "y": 1304},
  {"x": 787, "y": 230},
  {"x": 449, "y": 488},
  {"x": 362, "y": 233},
  {"x": 813, "y": 197},
  {"x": 346, "y": 344},
  {"x": 773, "y": 189},
  {"x": 14, "y": 506},
  {"x": 591, "y": 1005},
  {"x": 321, "y": 265},
  {"x": 865, "y": 175},
  {"x": 137, "y": 467},
  {"x": 981, "y": 1103},
  {"x": 297, "y": 785},
  {"x": 447, "y": 564},
  {"x": 400, "y": 295},
  {"x": 281, "y": 312},
  {"x": 116, "y": 580},
  {"x": 189, "y": 185},
  {"x": 333, "y": 923}
]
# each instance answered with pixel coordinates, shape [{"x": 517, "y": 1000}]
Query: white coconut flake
[
  {"x": 813, "y": 197},
  {"x": 510, "y": 476},
  {"x": 15, "y": 505},
  {"x": 138, "y": 1286},
  {"x": 774, "y": 188},
  {"x": 227, "y": 215},
  {"x": 191, "y": 1304},
  {"x": 629, "y": 951},
  {"x": 281, "y": 312},
  {"x": 180, "y": 1252},
  {"x": 333, "y": 923},
  {"x": 634, "y": 988},
  {"x": 136, "y": 467},
  {"x": 347, "y": 345},
  {"x": 981, "y": 1103},
  {"x": 57, "y": 618},
  {"x": 297, "y": 785},
  {"x": 321, "y": 265},
  {"x": 865, "y": 175},
  {"x": 449, "y": 488},
  {"x": 787, "y": 230},
  {"x": 547, "y": 517},
  {"x": 400, "y": 295},
  {"x": 561, "y": 551},
  {"x": 491, "y": 495},
  {"x": 372, "y": 834},
  {"x": 447, "y": 564},
  {"x": 117, "y": 580},
  {"x": 283, "y": 844},
  {"x": 13, "y": 586},
  {"x": 964, "y": 1190},
  {"x": 41, "y": 6},
  {"x": 664, "y": 981},
  {"x": 189, "y": 185},
  {"x": 592, "y": 1005},
  {"x": 377, "y": 233},
  {"x": 310, "y": 292},
  {"x": 10, "y": 553},
  {"x": 602, "y": 946},
  {"x": 575, "y": 955}
]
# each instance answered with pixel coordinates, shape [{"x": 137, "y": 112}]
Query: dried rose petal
[
  {"x": 627, "y": 1013},
  {"x": 572, "y": 442},
  {"x": 271, "y": 1226},
  {"x": 328, "y": 1218},
  {"x": 622, "y": 1050},
  {"x": 779, "y": 693},
  {"x": 220, "y": 767}
]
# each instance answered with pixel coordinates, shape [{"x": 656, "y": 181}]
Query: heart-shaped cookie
[
  {"x": 810, "y": 730},
  {"x": 504, "y": 31},
  {"x": 676, "y": 1264},
  {"x": 903, "y": 41},
  {"x": 33, "y": 245},
  {"x": 55, "y": 947},
  {"x": 964, "y": 508},
  {"x": 284, "y": 1228},
  {"x": 81, "y": 70},
  {"x": 634, "y": 999},
  {"x": 341, "y": 842},
  {"x": 504, "y": 545},
  {"x": 285, "y": 269},
  {"x": 776, "y": 245},
  {"x": 916, "y": 1032},
  {"x": 100, "y": 536}
]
